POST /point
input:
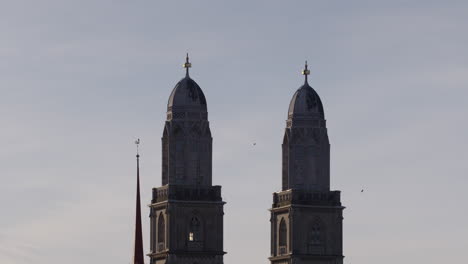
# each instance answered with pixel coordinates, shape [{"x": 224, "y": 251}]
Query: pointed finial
[
  {"x": 137, "y": 143},
  {"x": 187, "y": 64},
  {"x": 306, "y": 71}
]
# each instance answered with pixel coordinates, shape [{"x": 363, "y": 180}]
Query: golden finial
[
  {"x": 306, "y": 71},
  {"x": 187, "y": 64}
]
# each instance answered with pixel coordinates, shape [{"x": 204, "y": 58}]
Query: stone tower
[
  {"x": 306, "y": 217},
  {"x": 186, "y": 213}
]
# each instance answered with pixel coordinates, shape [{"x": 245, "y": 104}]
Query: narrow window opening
[
  {"x": 282, "y": 238},
  {"x": 194, "y": 232},
  {"x": 161, "y": 232},
  {"x": 316, "y": 234},
  {"x": 195, "y": 239}
]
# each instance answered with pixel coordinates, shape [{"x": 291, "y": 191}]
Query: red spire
[{"x": 138, "y": 257}]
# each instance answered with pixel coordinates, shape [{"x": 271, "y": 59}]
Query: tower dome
[
  {"x": 187, "y": 99},
  {"x": 306, "y": 102},
  {"x": 187, "y": 94}
]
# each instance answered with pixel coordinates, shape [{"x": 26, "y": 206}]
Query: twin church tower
[{"x": 186, "y": 212}]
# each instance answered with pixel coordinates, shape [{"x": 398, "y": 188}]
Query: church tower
[
  {"x": 186, "y": 213},
  {"x": 306, "y": 217}
]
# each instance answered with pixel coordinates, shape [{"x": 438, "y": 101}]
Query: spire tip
[
  {"x": 306, "y": 71},
  {"x": 137, "y": 143},
  {"x": 187, "y": 64}
]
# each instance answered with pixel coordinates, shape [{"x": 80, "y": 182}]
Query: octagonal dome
[
  {"x": 187, "y": 95},
  {"x": 306, "y": 103}
]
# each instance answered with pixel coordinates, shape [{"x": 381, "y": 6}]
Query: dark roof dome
[
  {"x": 306, "y": 103},
  {"x": 187, "y": 95}
]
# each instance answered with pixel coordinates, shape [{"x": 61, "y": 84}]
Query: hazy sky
[{"x": 80, "y": 80}]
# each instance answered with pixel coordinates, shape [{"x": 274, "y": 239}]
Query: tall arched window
[
  {"x": 316, "y": 234},
  {"x": 161, "y": 232},
  {"x": 194, "y": 230},
  {"x": 282, "y": 237},
  {"x": 317, "y": 237}
]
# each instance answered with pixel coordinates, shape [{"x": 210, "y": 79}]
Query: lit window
[{"x": 194, "y": 231}]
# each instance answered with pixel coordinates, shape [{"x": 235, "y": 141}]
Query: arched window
[
  {"x": 194, "y": 230},
  {"x": 282, "y": 237},
  {"x": 316, "y": 234},
  {"x": 161, "y": 232}
]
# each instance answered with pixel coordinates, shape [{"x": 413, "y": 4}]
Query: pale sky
[{"x": 81, "y": 80}]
